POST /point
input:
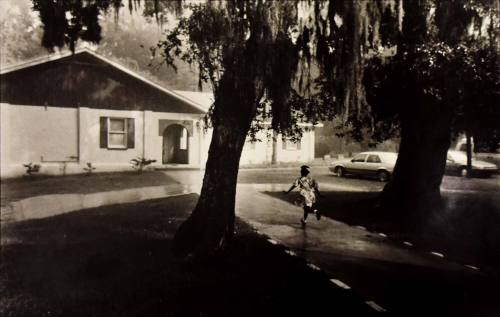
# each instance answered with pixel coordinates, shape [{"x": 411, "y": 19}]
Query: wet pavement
[
  {"x": 390, "y": 273},
  {"x": 44, "y": 206}
]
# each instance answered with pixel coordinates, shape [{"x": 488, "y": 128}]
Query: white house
[{"x": 64, "y": 111}]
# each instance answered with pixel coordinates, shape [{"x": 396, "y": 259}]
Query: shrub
[
  {"x": 89, "y": 169},
  {"x": 140, "y": 163},
  {"x": 32, "y": 168}
]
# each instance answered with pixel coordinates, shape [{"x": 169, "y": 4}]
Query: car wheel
[
  {"x": 339, "y": 171},
  {"x": 464, "y": 172},
  {"x": 383, "y": 176}
]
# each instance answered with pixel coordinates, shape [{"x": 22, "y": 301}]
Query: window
[
  {"x": 359, "y": 158},
  {"x": 373, "y": 159},
  {"x": 117, "y": 133},
  {"x": 290, "y": 145}
]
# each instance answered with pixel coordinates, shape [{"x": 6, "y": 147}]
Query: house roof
[
  {"x": 204, "y": 99},
  {"x": 9, "y": 71}
]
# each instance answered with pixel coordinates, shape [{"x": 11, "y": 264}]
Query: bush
[
  {"x": 89, "y": 169},
  {"x": 139, "y": 163},
  {"x": 32, "y": 168}
]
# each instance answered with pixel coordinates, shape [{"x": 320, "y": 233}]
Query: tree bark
[
  {"x": 468, "y": 139},
  {"x": 211, "y": 224},
  {"x": 274, "y": 157},
  {"x": 413, "y": 193}
]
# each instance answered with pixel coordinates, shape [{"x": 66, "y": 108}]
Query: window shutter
[
  {"x": 283, "y": 144},
  {"x": 299, "y": 144},
  {"x": 130, "y": 133},
  {"x": 103, "y": 142}
]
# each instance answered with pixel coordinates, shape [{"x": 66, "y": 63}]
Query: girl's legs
[
  {"x": 316, "y": 211},
  {"x": 307, "y": 210}
]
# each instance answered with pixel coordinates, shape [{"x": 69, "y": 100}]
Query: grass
[
  {"x": 116, "y": 261},
  {"x": 19, "y": 188}
]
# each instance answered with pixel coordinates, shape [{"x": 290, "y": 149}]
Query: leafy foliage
[
  {"x": 318, "y": 60},
  {"x": 89, "y": 169},
  {"x": 451, "y": 68},
  {"x": 32, "y": 168},
  {"x": 139, "y": 163}
]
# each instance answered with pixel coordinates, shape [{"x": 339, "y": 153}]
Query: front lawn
[
  {"x": 24, "y": 187},
  {"x": 116, "y": 261}
]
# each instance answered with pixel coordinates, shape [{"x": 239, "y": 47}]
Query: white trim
[
  {"x": 37, "y": 61},
  {"x": 53, "y": 57}
]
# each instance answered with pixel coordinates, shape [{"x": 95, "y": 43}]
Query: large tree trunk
[
  {"x": 211, "y": 223},
  {"x": 413, "y": 193}
]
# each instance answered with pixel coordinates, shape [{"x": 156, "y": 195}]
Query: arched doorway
[{"x": 175, "y": 145}]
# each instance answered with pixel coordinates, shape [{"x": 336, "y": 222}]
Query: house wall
[
  {"x": 63, "y": 140},
  {"x": 29, "y": 135},
  {"x": 154, "y": 135},
  {"x": 261, "y": 151},
  {"x": 104, "y": 158},
  {"x": 304, "y": 154}
]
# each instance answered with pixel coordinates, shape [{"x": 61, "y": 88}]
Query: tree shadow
[
  {"x": 116, "y": 261},
  {"x": 20, "y": 188},
  {"x": 466, "y": 229}
]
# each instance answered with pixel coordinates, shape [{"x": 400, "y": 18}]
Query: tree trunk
[
  {"x": 469, "y": 152},
  {"x": 274, "y": 157},
  {"x": 413, "y": 193},
  {"x": 211, "y": 223}
]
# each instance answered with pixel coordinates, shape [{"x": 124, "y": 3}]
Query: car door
[
  {"x": 357, "y": 164},
  {"x": 373, "y": 162}
]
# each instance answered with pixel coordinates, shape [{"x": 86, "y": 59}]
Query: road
[{"x": 324, "y": 176}]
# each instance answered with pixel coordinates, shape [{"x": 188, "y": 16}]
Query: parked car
[
  {"x": 373, "y": 164},
  {"x": 456, "y": 163}
]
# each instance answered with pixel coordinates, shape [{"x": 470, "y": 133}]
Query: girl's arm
[
  {"x": 317, "y": 192},
  {"x": 291, "y": 188},
  {"x": 316, "y": 188}
]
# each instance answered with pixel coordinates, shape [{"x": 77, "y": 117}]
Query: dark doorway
[{"x": 175, "y": 145}]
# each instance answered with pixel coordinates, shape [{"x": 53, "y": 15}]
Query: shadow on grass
[
  {"x": 466, "y": 230},
  {"x": 20, "y": 188},
  {"x": 116, "y": 261}
]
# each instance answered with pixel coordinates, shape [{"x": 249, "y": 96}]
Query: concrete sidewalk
[{"x": 391, "y": 275}]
